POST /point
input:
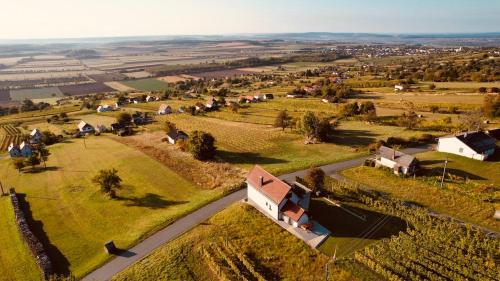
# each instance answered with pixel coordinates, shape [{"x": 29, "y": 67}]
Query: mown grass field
[
  {"x": 74, "y": 218},
  {"x": 16, "y": 261},
  {"x": 464, "y": 85},
  {"x": 245, "y": 144},
  {"x": 146, "y": 85},
  {"x": 460, "y": 196},
  {"x": 273, "y": 252}
]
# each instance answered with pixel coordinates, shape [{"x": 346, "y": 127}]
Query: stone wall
[{"x": 42, "y": 259}]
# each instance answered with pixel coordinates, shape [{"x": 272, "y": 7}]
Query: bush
[{"x": 202, "y": 145}]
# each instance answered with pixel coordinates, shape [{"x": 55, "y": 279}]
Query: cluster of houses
[
  {"x": 255, "y": 98},
  {"x": 26, "y": 148}
]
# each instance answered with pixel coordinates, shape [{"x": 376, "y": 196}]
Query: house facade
[
  {"x": 399, "y": 162},
  {"x": 475, "y": 145},
  {"x": 25, "y": 149},
  {"x": 14, "y": 150},
  {"x": 174, "y": 137},
  {"x": 164, "y": 109},
  {"x": 85, "y": 128},
  {"x": 35, "y": 136},
  {"x": 276, "y": 198}
]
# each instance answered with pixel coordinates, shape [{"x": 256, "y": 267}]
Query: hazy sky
[{"x": 97, "y": 18}]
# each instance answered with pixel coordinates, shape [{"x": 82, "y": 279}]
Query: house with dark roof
[
  {"x": 476, "y": 145},
  {"x": 278, "y": 199},
  {"x": 399, "y": 162},
  {"x": 174, "y": 136}
]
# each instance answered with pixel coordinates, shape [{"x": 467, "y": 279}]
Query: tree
[
  {"x": 349, "y": 109},
  {"x": 315, "y": 178},
  {"x": 49, "y": 138},
  {"x": 482, "y": 90},
  {"x": 44, "y": 155},
  {"x": 309, "y": 125},
  {"x": 491, "y": 106},
  {"x": 283, "y": 120},
  {"x": 109, "y": 181},
  {"x": 202, "y": 145},
  {"x": 432, "y": 86},
  {"x": 18, "y": 164},
  {"x": 494, "y": 90},
  {"x": 170, "y": 127},
  {"x": 408, "y": 119},
  {"x": 124, "y": 118},
  {"x": 234, "y": 107},
  {"x": 471, "y": 121},
  {"x": 32, "y": 161}
]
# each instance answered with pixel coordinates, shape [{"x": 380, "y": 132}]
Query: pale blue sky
[{"x": 98, "y": 18}]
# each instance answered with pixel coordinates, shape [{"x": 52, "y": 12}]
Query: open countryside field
[
  {"x": 16, "y": 261},
  {"x": 464, "y": 85},
  {"x": 40, "y": 93},
  {"x": 9, "y": 134},
  {"x": 76, "y": 218},
  {"x": 256, "y": 245},
  {"x": 464, "y": 187},
  {"x": 147, "y": 85},
  {"x": 119, "y": 86}
]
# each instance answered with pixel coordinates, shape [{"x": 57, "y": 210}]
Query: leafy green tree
[
  {"x": 315, "y": 178},
  {"x": 32, "y": 161},
  {"x": 309, "y": 125},
  {"x": 283, "y": 120},
  {"x": 408, "y": 119},
  {"x": 202, "y": 145},
  {"x": 109, "y": 181},
  {"x": 124, "y": 118},
  {"x": 44, "y": 155}
]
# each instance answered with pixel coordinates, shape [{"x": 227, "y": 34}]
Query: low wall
[{"x": 42, "y": 259}]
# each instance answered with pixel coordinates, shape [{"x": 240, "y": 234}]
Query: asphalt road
[{"x": 144, "y": 248}]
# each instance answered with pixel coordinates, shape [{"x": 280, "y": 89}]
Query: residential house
[
  {"x": 14, "y": 150},
  {"x": 476, "y": 145},
  {"x": 268, "y": 96},
  {"x": 199, "y": 106},
  {"x": 35, "y": 136},
  {"x": 25, "y": 149},
  {"x": 164, "y": 109},
  {"x": 260, "y": 97},
  {"x": 211, "y": 103},
  {"x": 85, "y": 128},
  {"x": 398, "y": 161},
  {"x": 174, "y": 136},
  {"x": 278, "y": 199},
  {"x": 105, "y": 108},
  {"x": 150, "y": 99},
  {"x": 399, "y": 88}
]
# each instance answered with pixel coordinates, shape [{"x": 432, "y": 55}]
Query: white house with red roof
[{"x": 276, "y": 198}]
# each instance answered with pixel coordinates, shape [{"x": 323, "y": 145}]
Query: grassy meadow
[
  {"x": 253, "y": 242},
  {"x": 71, "y": 215},
  {"x": 16, "y": 261},
  {"x": 461, "y": 196},
  {"x": 146, "y": 85}
]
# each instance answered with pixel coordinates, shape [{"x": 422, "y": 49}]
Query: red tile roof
[
  {"x": 292, "y": 211},
  {"x": 273, "y": 188}
]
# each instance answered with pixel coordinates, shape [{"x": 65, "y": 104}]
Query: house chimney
[{"x": 261, "y": 181}]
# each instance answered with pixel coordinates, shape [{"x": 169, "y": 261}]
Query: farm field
[
  {"x": 16, "y": 261},
  {"x": 463, "y": 85},
  {"x": 138, "y": 74},
  {"x": 463, "y": 188},
  {"x": 84, "y": 89},
  {"x": 348, "y": 232},
  {"x": 39, "y": 93},
  {"x": 252, "y": 240},
  {"x": 76, "y": 218},
  {"x": 30, "y": 116},
  {"x": 146, "y": 85},
  {"x": 245, "y": 144},
  {"x": 119, "y": 86},
  {"x": 9, "y": 134}
]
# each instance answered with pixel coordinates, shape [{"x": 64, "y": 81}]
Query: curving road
[{"x": 174, "y": 230}]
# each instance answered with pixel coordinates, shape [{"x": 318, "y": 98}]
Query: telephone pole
[
  {"x": 331, "y": 260},
  {"x": 444, "y": 171}
]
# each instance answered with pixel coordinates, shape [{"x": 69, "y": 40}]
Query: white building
[
  {"x": 398, "y": 161},
  {"x": 104, "y": 108},
  {"x": 399, "y": 88},
  {"x": 164, "y": 109},
  {"x": 476, "y": 145},
  {"x": 278, "y": 199},
  {"x": 85, "y": 128}
]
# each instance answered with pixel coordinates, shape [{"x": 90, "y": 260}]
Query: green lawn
[
  {"x": 16, "y": 261},
  {"x": 275, "y": 253},
  {"x": 146, "y": 85},
  {"x": 72, "y": 215},
  {"x": 463, "y": 195}
]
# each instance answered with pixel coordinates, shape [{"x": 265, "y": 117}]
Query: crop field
[
  {"x": 16, "y": 260},
  {"x": 106, "y": 77},
  {"x": 138, "y": 74},
  {"x": 32, "y": 83},
  {"x": 9, "y": 134},
  {"x": 220, "y": 74},
  {"x": 37, "y": 116},
  {"x": 84, "y": 89},
  {"x": 465, "y": 189},
  {"x": 256, "y": 249},
  {"x": 38, "y": 93},
  {"x": 119, "y": 86},
  {"x": 245, "y": 144},
  {"x": 4, "y": 95},
  {"x": 75, "y": 218},
  {"x": 176, "y": 78},
  {"x": 146, "y": 85},
  {"x": 464, "y": 85},
  {"x": 46, "y": 75}
]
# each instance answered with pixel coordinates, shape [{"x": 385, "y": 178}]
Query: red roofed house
[{"x": 278, "y": 199}]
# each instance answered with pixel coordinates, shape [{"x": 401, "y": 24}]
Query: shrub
[{"x": 202, "y": 145}]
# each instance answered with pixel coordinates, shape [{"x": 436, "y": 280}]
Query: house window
[
  {"x": 270, "y": 209},
  {"x": 461, "y": 150},
  {"x": 266, "y": 203}
]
